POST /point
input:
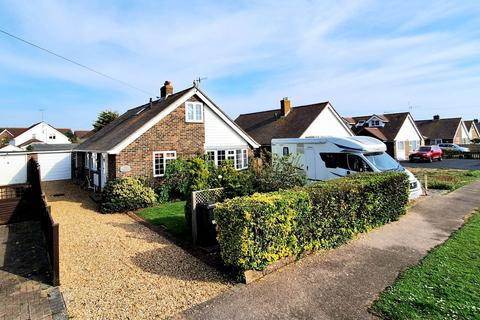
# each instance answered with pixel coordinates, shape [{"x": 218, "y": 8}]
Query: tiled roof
[
  {"x": 121, "y": 128},
  {"x": 439, "y": 129},
  {"x": 393, "y": 124},
  {"x": 263, "y": 126}
]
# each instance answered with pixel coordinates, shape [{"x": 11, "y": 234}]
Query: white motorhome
[{"x": 325, "y": 158}]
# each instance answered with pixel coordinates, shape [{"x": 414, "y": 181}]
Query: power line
[{"x": 75, "y": 62}]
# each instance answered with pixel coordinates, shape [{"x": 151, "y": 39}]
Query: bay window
[{"x": 239, "y": 157}]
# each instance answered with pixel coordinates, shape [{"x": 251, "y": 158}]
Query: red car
[{"x": 427, "y": 153}]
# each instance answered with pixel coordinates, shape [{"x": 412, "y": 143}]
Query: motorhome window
[
  {"x": 335, "y": 160},
  {"x": 285, "y": 151},
  {"x": 382, "y": 161},
  {"x": 355, "y": 163}
]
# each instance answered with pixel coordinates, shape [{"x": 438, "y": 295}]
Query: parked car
[
  {"x": 453, "y": 147},
  {"x": 427, "y": 153}
]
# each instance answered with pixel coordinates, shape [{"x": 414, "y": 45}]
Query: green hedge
[{"x": 257, "y": 230}]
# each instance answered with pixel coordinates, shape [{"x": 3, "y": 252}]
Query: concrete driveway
[
  {"x": 463, "y": 164},
  {"x": 342, "y": 283}
]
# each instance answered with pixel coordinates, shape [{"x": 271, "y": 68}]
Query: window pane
[
  {"x": 220, "y": 156},
  {"x": 238, "y": 163},
  {"x": 245, "y": 158},
  {"x": 198, "y": 112},
  {"x": 211, "y": 155},
  {"x": 189, "y": 111}
]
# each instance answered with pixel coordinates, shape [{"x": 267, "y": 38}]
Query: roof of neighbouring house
[
  {"x": 439, "y": 129},
  {"x": 263, "y": 126},
  {"x": 393, "y": 124},
  {"x": 14, "y": 131},
  {"x": 18, "y": 131},
  {"x": 83, "y": 134},
  {"x": 30, "y": 141}
]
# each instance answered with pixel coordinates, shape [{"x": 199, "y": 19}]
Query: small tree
[
  {"x": 71, "y": 136},
  {"x": 3, "y": 142},
  {"x": 104, "y": 118}
]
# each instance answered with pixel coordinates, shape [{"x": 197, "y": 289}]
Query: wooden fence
[
  {"x": 49, "y": 226},
  {"x": 26, "y": 202}
]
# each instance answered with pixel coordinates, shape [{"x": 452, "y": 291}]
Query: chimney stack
[
  {"x": 285, "y": 107},
  {"x": 475, "y": 120},
  {"x": 166, "y": 90},
  {"x": 436, "y": 117}
]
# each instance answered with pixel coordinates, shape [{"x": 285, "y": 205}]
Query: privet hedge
[{"x": 257, "y": 230}]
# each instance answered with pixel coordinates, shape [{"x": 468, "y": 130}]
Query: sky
[{"x": 363, "y": 56}]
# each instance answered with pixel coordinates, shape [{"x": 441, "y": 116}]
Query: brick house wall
[{"x": 171, "y": 133}]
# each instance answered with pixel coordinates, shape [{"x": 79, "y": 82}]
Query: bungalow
[
  {"x": 143, "y": 140},
  {"x": 448, "y": 130},
  {"x": 397, "y": 130},
  {"x": 319, "y": 119},
  {"x": 473, "y": 129},
  {"x": 40, "y": 132}
]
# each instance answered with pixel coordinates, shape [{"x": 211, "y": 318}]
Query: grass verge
[
  {"x": 445, "y": 179},
  {"x": 171, "y": 215},
  {"x": 445, "y": 285}
]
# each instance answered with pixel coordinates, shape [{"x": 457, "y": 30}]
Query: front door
[{"x": 310, "y": 164}]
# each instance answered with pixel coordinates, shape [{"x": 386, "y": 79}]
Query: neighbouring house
[
  {"x": 448, "y": 130},
  {"x": 83, "y": 135},
  {"x": 397, "y": 130},
  {"x": 473, "y": 129},
  {"x": 40, "y": 132},
  {"x": 319, "y": 119},
  {"x": 143, "y": 140}
]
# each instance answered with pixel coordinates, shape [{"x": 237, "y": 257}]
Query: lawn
[
  {"x": 445, "y": 179},
  {"x": 445, "y": 285},
  {"x": 171, "y": 215}
]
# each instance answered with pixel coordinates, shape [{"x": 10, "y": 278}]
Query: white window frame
[
  {"x": 87, "y": 160},
  {"x": 165, "y": 158},
  {"x": 194, "y": 105},
  {"x": 231, "y": 154},
  {"x": 52, "y": 136}
]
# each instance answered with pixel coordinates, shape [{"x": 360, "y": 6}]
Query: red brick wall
[{"x": 172, "y": 133}]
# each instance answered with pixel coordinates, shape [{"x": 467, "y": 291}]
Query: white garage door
[
  {"x": 55, "y": 166},
  {"x": 13, "y": 169}
]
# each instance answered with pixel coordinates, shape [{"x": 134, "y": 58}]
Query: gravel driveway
[{"x": 112, "y": 267}]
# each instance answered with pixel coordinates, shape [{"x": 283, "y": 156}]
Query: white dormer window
[
  {"x": 375, "y": 123},
  {"x": 194, "y": 112}
]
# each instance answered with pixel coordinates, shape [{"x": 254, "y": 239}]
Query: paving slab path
[{"x": 342, "y": 283}]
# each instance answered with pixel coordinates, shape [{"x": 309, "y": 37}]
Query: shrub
[
  {"x": 235, "y": 183},
  {"x": 280, "y": 173},
  {"x": 257, "y": 230},
  {"x": 176, "y": 177},
  {"x": 126, "y": 194}
]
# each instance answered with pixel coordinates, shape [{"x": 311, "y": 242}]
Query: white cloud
[{"x": 365, "y": 56}]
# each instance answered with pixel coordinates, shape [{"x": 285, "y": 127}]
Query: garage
[
  {"x": 13, "y": 169},
  {"x": 55, "y": 166}
]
